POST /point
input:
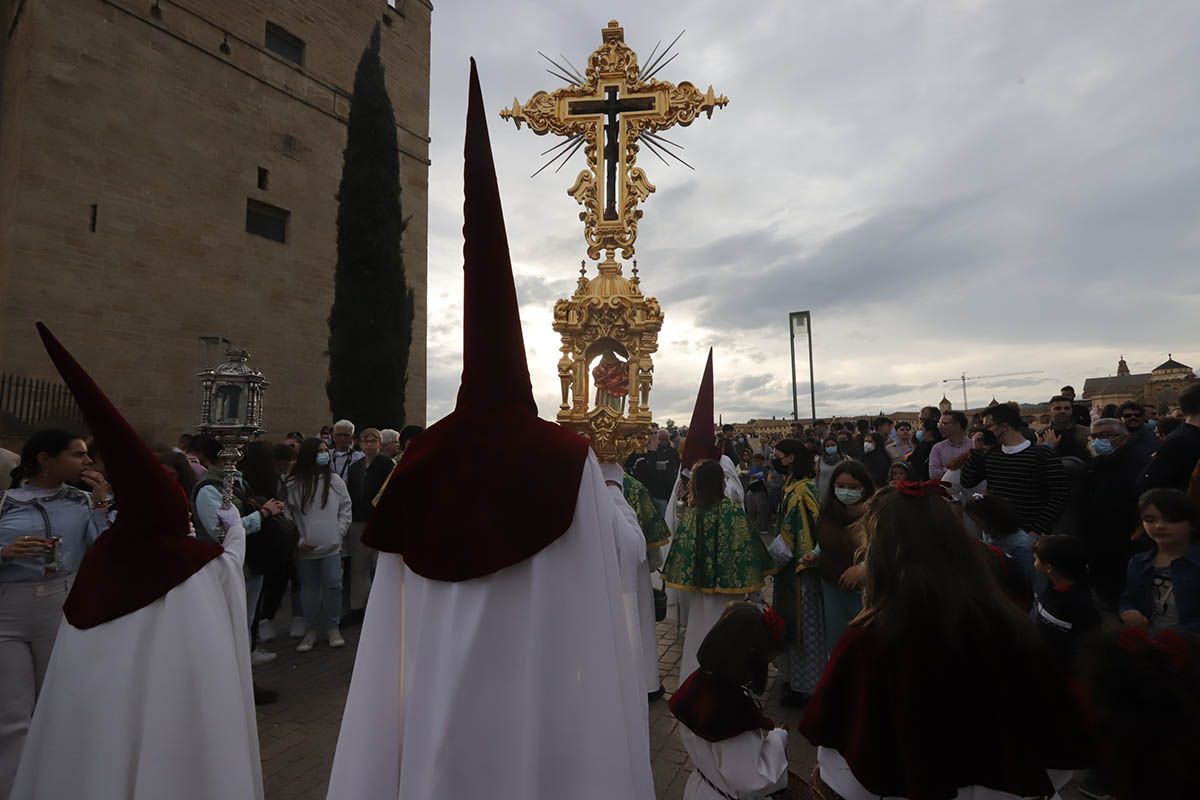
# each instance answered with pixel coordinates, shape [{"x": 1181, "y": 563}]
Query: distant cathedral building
[{"x": 1159, "y": 387}]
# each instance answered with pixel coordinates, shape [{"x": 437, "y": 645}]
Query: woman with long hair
[
  {"x": 940, "y": 688},
  {"x": 46, "y": 526},
  {"x": 714, "y": 557},
  {"x": 268, "y": 551},
  {"x": 797, "y": 596},
  {"x": 320, "y": 504},
  {"x": 838, "y": 543},
  {"x": 874, "y": 456}
]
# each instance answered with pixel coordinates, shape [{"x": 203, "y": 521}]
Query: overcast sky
[{"x": 988, "y": 187}]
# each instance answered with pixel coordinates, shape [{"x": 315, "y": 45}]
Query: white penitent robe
[
  {"x": 703, "y": 612},
  {"x": 520, "y": 684},
  {"x": 750, "y": 765},
  {"x": 155, "y": 704},
  {"x": 635, "y": 562}
]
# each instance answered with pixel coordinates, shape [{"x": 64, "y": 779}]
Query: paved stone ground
[{"x": 298, "y": 734}]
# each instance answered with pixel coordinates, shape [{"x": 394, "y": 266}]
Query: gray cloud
[{"x": 986, "y": 188}]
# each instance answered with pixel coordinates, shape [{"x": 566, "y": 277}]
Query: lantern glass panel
[{"x": 228, "y": 405}]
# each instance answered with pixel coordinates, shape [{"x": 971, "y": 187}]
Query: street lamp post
[{"x": 231, "y": 412}]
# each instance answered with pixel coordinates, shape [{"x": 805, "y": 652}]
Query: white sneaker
[
  {"x": 306, "y": 644},
  {"x": 335, "y": 638},
  {"x": 297, "y": 628},
  {"x": 266, "y": 630},
  {"x": 260, "y": 656}
]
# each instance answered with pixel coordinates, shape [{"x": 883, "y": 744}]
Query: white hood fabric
[
  {"x": 520, "y": 684},
  {"x": 154, "y": 704}
]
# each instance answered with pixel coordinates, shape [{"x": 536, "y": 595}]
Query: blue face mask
[
  {"x": 1102, "y": 447},
  {"x": 323, "y": 459},
  {"x": 831, "y": 451},
  {"x": 920, "y": 436}
]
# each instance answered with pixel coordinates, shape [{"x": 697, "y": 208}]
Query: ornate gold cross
[{"x": 613, "y": 105}]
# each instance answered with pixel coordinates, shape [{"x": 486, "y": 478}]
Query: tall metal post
[
  {"x": 795, "y": 399},
  {"x": 812, "y": 381},
  {"x": 806, "y": 318}
]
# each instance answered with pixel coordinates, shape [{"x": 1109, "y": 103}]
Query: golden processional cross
[{"x": 608, "y": 110}]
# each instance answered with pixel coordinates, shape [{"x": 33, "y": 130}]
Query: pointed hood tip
[
  {"x": 133, "y": 470},
  {"x": 146, "y": 551},
  {"x": 495, "y": 371},
  {"x": 701, "y": 438}
]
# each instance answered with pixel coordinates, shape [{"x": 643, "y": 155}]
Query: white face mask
[
  {"x": 848, "y": 496},
  {"x": 868, "y": 447}
]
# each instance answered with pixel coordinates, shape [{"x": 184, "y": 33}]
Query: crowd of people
[
  {"x": 1086, "y": 532},
  {"x": 1076, "y": 525},
  {"x": 966, "y": 609}
]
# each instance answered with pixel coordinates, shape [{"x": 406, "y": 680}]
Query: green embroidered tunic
[
  {"x": 797, "y": 518},
  {"x": 796, "y": 526},
  {"x": 715, "y": 552},
  {"x": 654, "y": 527}
]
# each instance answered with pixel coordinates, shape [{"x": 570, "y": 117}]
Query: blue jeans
[{"x": 321, "y": 590}]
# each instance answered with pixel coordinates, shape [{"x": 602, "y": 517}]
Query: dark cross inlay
[{"x": 610, "y": 106}]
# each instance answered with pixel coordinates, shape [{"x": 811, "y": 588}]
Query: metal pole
[
  {"x": 795, "y": 399},
  {"x": 964, "y": 381},
  {"x": 812, "y": 381}
]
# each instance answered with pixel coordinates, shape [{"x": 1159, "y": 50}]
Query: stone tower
[{"x": 168, "y": 176}]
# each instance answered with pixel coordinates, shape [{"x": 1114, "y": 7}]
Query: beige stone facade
[
  {"x": 1159, "y": 388},
  {"x": 152, "y": 123}
]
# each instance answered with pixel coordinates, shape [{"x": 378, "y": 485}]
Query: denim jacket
[
  {"x": 66, "y": 514},
  {"x": 1185, "y": 574}
]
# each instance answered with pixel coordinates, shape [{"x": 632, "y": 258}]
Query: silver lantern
[{"x": 231, "y": 412}]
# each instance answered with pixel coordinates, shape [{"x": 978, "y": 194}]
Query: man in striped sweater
[{"x": 1030, "y": 477}]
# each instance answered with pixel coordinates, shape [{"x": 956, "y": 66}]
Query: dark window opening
[
  {"x": 263, "y": 175},
  {"x": 92, "y": 222},
  {"x": 284, "y": 44},
  {"x": 267, "y": 221}
]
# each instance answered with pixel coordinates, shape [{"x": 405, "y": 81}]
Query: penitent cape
[
  {"x": 148, "y": 692},
  {"x": 495, "y": 658}
]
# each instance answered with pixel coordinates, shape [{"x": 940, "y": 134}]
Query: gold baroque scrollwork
[{"x": 613, "y": 63}]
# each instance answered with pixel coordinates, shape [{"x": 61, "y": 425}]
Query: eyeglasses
[{"x": 1105, "y": 435}]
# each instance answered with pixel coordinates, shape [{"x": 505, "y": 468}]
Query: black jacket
[
  {"x": 1171, "y": 467},
  {"x": 658, "y": 471},
  {"x": 373, "y": 480}
]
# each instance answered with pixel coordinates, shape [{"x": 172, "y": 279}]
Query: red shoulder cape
[
  {"x": 474, "y": 494},
  {"x": 714, "y": 710},
  {"x": 921, "y": 722}
]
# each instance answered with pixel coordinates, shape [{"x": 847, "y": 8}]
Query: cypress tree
[{"x": 370, "y": 323}]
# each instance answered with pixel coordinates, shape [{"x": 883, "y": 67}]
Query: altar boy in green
[{"x": 715, "y": 558}]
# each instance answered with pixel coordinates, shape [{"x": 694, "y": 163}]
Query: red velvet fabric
[
  {"x": 921, "y": 720},
  {"x": 716, "y": 710},
  {"x": 147, "y": 551},
  {"x": 489, "y": 485},
  {"x": 701, "y": 439}
]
